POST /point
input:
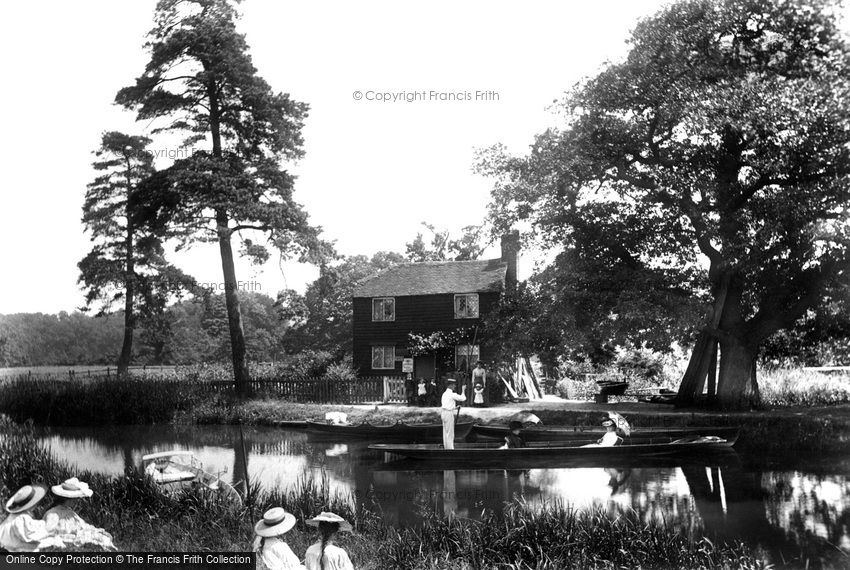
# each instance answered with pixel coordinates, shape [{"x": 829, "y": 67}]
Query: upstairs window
[
  {"x": 466, "y": 306},
  {"x": 383, "y": 357},
  {"x": 383, "y": 309},
  {"x": 466, "y": 355}
]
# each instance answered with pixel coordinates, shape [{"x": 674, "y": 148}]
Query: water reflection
[{"x": 794, "y": 514}]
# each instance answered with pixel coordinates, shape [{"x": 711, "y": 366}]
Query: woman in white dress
[
  {"x": 272, "y": 551},
  {"x": 20, "y": 531},
  {"x": 609, "y": 439},
  {"x": 65, "y": 524},
  {"x": 324, "y": 555}
]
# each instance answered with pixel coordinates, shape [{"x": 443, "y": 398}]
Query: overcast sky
[{"x": 373, "y": 170}]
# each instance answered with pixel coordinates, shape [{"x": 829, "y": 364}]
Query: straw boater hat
[
  {"x": 26, "y": 498},
  {"x": 275, "y": 522},
  {"x": 331, "y": 518},
  {"x": 451, "y": 381},
  {"x": 72, "y": 488},
  {"x": 607, "y": 423}
]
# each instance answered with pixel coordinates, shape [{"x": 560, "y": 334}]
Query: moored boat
[
  {"x": 399, "y": 431},
  {"x": 572, "y": 433},
  {"x": 176, "y": 470},
  {"x": 489, "y": 453}
]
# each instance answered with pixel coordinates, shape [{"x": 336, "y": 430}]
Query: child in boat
[
  {"x": 478, "y": 397},
  {"x": 272, "y": 551},
  {"x": 324, "y": 555},
  {"x": 514, "y": 439},
  {"x": 20, "y": 531},
  {"x": 62, "y": 522}
]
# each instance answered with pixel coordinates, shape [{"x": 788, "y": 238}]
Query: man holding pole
[{"x": 449, "y": 410}]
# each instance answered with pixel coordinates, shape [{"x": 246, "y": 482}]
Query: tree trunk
[
  {"x": 736, "y": 387},
  {"x": 129, "y": 290},
  {"x": 234, "y": 312},
  {"x": 693, "y": 382}
]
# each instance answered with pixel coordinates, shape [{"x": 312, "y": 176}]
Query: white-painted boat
[{"x": 178, "y": 469}]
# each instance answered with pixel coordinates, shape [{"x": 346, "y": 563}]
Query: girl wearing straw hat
[
  {"x": 272, "y": 551},
  {"x": 19, "y": 531},
  {"x": 324, "y": 555},
  {"x": 64, "y": 523}
]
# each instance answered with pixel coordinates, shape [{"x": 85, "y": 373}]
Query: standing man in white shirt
[{"x": 447, "y": 411}]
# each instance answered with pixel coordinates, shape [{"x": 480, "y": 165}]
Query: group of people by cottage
[
  {"x": 427, "y": 392},
  {"x": 60, "y": 527}
]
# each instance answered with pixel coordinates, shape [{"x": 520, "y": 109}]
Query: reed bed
[
  {"x": 141, "y": 518},
  {"x": 95, "y": 402}
]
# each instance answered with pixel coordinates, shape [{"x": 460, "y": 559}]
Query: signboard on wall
[{"x": 407, "y": 365}]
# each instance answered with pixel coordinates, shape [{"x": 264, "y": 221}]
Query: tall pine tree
[
  {"x": 126, "y": 262},
  {"x": 200, "y": 79}
]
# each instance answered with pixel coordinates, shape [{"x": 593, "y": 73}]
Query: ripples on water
[{"x": 785, "y": 511}]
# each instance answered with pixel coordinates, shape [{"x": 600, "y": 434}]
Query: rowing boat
[
  {"x": 399, "y": 431},
  {"x": 571, "y": 433},
  {"x": 475, "y": 453},
  {"x": 176, "y": 470}
]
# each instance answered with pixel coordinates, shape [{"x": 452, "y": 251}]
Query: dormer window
[
  {"x": 466, "y": 306},
  {"x": 383, "y": 309}
]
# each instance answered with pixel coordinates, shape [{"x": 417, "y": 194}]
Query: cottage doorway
[{"x": 424, "y": 367}]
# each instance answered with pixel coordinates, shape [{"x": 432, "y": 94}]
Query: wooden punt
[
  {"x": 492, "y": 453},
  {"x": 399, "y": 431}
]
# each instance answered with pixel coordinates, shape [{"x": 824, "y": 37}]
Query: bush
[
  {"x": 309, "y": 363},
  {"x": 642, "y": 363}
]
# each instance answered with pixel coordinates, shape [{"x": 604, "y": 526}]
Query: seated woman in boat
[
  {"x": 20, "y": 531},
  {"x": 272, "y": 551},
  {"x": 324, "y": 555},
  {"x": 62, "y": 522},
  {"x": 514, "y": 439},
  {"x": 610, "y": 438}
]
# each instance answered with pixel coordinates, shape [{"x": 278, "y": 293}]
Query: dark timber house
[{"x": 449, "y": 298}]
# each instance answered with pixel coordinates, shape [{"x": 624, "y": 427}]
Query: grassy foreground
[{"x": 519, "y": 537}]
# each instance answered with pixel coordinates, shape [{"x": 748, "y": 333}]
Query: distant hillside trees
[{"x": 188, "y": 332}]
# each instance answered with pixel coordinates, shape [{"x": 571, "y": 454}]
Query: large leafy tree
[
  {"x": 201, "y": 81},
  {"x": 322, "y": 316},
  {"x": 126, "y": 262},
  {"x": 725, "y": 133}
]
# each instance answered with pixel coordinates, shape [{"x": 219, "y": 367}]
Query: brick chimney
[{"x": 510, "y": 253}]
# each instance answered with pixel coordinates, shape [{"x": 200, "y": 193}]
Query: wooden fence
[{"x": 317, "y": 390}]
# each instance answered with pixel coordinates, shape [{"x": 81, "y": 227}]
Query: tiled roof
[{"x": 435, "y": 278}]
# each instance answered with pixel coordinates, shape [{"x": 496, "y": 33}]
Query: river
[{"x": 789, "y": 510}]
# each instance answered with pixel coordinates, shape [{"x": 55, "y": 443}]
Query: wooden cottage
[{"x": 441, "y": 303}]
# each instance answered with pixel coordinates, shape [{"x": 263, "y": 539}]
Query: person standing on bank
[
  {"x": 324, "y": 555},
  {"x": 479, "y": 376},
  {"x": 448, "y": 411}
]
